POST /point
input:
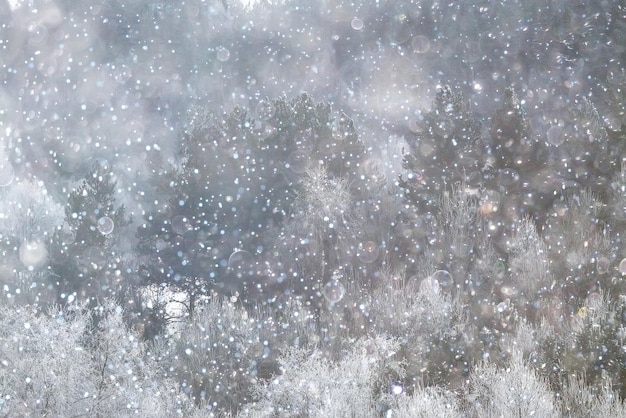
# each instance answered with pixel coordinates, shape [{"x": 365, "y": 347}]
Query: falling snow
[{"x": 312, "y": 208}]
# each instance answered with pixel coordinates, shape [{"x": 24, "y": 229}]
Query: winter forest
[{"x": 313, "y": 208}]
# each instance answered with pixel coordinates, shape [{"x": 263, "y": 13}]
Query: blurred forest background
[{"x": 312, "y": 208}]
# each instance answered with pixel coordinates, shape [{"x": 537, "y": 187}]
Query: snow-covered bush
[
  {"x": 514, "y": 391},
  {"x": 428, "y": 324},
  {"x": 73, "y": 362},
  {"x": 453, "y": 244},
  {"x": 216, "y": 356},
  {"x": 425, "y": 403},
  {"x": 314, "y": 386},
  {"x": 28, "y": 212},
  {"x": 579, "y": 400},
  {"x": 590, "y": 345}
]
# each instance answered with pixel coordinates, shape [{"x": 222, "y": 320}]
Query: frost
[{"x": 516, "y": 390}]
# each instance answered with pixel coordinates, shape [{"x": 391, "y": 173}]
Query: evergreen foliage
[
  {"x": 446, "y": 150},
  {"x": 30, "y": 219},
  {"x": 239, "y": 183},
  {"x": 88, "y": 263}
]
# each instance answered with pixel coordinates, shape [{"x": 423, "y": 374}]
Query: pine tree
[
  {"x": 219, "y": 208},
  {"x": 444, "y": 159},
  {"x": 87, "y": 260},
  {"x": 236, "y": 187},
  {"x": 512, "y": 144},
  {"x": 518, "y": 176},
  {"x": 445, "y": 152},
  {"x": 516, "y": 165},
  {"x": 333, "y": 189}
]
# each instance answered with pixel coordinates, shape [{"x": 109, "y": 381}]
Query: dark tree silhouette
[
  {"x": 236, "y": 187},
  {"x": 445, "y": 151},
  {"x": 87, "y": 260},
  {"x": 445, "y": 157}
]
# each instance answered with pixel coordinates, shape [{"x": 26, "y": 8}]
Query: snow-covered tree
[
  {"x": 62, "y": 363},
  {"x": 315, "y": 386},
  {"x": 514, "y": 391}
]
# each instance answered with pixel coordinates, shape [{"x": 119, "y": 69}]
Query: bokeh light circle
[
  {"x": 241, "y": 263},
  {"x": 357, "y": 24},
  {"x": 105, "y": 225},
  {"x": 444, "y": 278},
  {"x": 555, "y": 135},
  {"x": 368, "y": 251},
  {"x": 181, "y": 225},
  {"x": 420, "y": 44},
  {"x": 334, "y": 291}
]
